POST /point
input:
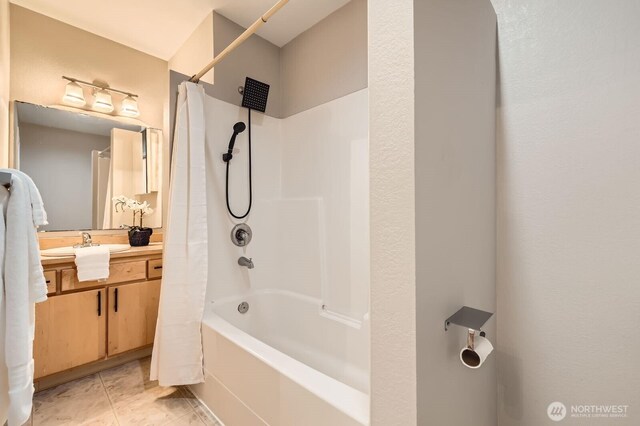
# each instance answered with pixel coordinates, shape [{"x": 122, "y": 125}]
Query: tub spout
[{"x": 243, "y": 261}]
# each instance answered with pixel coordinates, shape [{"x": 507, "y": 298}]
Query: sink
[{"x": 70, "y": 251}]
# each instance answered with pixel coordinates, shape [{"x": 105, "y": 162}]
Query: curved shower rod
[{"x": 237, "y": 42}]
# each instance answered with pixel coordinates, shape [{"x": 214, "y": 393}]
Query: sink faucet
[
  {"x": 243, "y": 261},
  {"x": 86, "y": 241}
]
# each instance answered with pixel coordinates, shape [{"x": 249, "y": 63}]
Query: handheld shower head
[{"x": 238, "y": 128}]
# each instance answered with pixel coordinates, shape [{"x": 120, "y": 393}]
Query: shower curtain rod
[{"x": 237, "y": 42}]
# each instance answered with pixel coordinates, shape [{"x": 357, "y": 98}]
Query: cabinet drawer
[
  {"x": 154, "y": 268},
  {"x": 51, "y": 277},
  {"x": 118, "y": 273}
]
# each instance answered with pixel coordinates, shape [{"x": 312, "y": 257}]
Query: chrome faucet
[
  {"x": 243, "y": 261},
  {"x": 86, "y": 241}
]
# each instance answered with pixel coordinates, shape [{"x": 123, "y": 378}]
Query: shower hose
[{"x": 250, "y": 178}]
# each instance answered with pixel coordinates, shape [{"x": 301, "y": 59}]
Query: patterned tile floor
[{"x": 122, "y": 396}]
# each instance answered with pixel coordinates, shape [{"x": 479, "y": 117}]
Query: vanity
[
  {"x": 85, "y": 327},
  {"x": 82, "y": 163}
]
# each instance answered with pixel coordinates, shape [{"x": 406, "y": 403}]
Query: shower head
[
  {"x": 237, "y": 129},
  {"x": 254, "y": 94}
]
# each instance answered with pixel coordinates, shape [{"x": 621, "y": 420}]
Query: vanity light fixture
[
  {"x": 129, "y": 107},
  {"x": 102, "y": 101},
  {"x": 102, "y": 93},
  {"x": 74, "y": 95}
]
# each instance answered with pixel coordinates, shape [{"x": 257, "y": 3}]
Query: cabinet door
[
  {"x": 133, "y": 311},
  {"x": 70, "y": 331}
]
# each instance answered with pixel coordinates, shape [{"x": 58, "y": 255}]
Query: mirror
[{"x": 80, "y": 162}]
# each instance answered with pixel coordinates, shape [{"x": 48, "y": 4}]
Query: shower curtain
[{"x": 177, "y": 351}]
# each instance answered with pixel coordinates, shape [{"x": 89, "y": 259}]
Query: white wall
[
  {"x": 196, "y": 52},
  {"x": 43, "y": 50},
  {"x": 391, "y": 144},
  {"x": 4, "y": 82},
  {"x": 569, "y": 208},
  {"x": 455, "y": 57},
  {"x": 309, "y": 217}
]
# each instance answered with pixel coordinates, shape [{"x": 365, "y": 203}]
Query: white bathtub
[{"x": 265, "y": 367}]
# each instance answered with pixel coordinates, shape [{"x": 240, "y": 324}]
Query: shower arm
[{"x": 238, "y": 41}]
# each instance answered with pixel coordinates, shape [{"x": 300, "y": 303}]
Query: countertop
[{"x": 151, "y": 249}]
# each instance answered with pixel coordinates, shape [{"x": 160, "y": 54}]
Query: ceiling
[
  {"x": 160, "y": 27},
  {"x": 294, "y": 18}
]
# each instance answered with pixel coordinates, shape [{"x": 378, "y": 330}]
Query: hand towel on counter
[
  {"x": 24, "y": 284},
  {"x": 92, "y": 263}
]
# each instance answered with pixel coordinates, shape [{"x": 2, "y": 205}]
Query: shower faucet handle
[{"x": 241, "y": 235}]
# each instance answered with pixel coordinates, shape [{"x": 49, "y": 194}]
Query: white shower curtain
[{"x": 177, "y": 351}]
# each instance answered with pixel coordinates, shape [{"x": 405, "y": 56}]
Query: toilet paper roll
[{"x": 474, "y": 358}]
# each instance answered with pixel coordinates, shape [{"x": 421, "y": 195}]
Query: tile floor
[{"x": 123, "y": 396}]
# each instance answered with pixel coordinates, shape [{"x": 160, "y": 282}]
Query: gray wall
[
  {"x": 59, "y": 162},
  {"x": 256, "y": 58},
  {"x": 455, "y": 51},
  {"x": 327, "y": 61},
  {"x": 568, "y": 209}
]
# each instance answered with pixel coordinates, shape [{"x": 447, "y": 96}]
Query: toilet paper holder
[{"x": 470, "y": 318}]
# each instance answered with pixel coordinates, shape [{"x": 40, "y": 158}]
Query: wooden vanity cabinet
[
  {"x": 133, "y": 311},
  {"x": 95, "y": 323},
  {"x": 70, "y": 331}
]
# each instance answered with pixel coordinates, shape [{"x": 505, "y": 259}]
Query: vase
[{"x": 139, "y": 237}]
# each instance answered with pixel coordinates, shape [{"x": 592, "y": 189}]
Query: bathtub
[{"x": 265, "y": 367}]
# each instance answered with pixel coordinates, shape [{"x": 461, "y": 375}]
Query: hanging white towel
[
  {"x": 177, "y": 350},
  {"x": 24, "y": 284},
  {"x": 37, "y": 205},
  {"x": 38, "y": 287},
  {"x": 92, "y": 263}
]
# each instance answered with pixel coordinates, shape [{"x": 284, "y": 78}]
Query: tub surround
[
  {"x": 85, "y": 327},
  {"x": 303, "y": 344}
]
